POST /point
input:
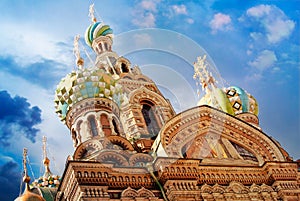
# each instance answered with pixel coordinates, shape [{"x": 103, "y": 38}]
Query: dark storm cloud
[
  {"x": 45, "y": 73},
  {"x": 10, "y": 178},
  {"x": 17, "y": 117}
]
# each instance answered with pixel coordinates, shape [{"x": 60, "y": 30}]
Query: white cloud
[
  {"x": 180, "y": 9},
  {"x": 144, "y": 13},
  {"x": 27, "y": 44},
  {"x": 145, "y": 20},
  {"x": 264, "y": 60},
  {"x": 279, "y": 29},
  {"x": 275, "y": 23},
  {"x": 149, "y": 5},
  {"x": 259, "y": 11},
  {"x": 220, "y": 22}
]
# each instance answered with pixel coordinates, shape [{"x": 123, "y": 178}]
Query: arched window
[
  {"x": 149, "y": 117},
  {"x": 105, "y": 124},
  {"x": 124, "y": 68},
  {"x": 115, "y": 127},
  {"x": 93, "y": 125}
]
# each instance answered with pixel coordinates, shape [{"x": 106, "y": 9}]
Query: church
[{"x": 130, "y": 145}]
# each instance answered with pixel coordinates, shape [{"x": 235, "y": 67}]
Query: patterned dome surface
[
  {"x": 232, "y": 100},
  {"x": 82, "y": 84},
  {"x": 95, "y": 30}
]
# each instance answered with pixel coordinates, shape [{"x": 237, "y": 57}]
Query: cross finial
[
  {"x": 92, "y": 13},
  {"x": 76, "y": 51},
  {"x": 206, "y": 80},
  {"x": 25, "y": 161},
  {"x": 44, "y": 146},
  {"x": 46, "y": 159},
  {"x": 26, "y": 178}
]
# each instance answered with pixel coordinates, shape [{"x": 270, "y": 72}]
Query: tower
[{"x": 114, "y": 114}]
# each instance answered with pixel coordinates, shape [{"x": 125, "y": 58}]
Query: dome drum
[
  {"x": 102, "y": 44},
  {"x": 93, "y": 105}
]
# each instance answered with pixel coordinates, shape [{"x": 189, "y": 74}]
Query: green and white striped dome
[
  {"x": 95, "y": 30},
  {"x": 82, "y": 84}
]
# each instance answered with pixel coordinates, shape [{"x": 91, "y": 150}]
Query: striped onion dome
[
  {"x": 232, "y": 100},
  {"x": 82, "y": 84},
  {"x": 95, "y": 30}
]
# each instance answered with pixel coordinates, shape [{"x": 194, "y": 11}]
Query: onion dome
[
  {"x": 82, "y": 84},
  {"x": 96, "y": 30},
  {"x": 232, "y": 100},
  {"x": 48, "y": 179},
  {"x": 29, "y": 196}
]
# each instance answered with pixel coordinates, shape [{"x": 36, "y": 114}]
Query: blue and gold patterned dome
[
  {"x": 82, "y": 84},
  {"x": 95, "y": 30},
  {"x": 232, "y": 100}
]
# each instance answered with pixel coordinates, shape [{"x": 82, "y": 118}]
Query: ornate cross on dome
[
  {"x": 76, "y": 51},
  {"x": 91, "y": 13},
  {"x": 26, "y": 178},
  {"x": 25, "y": 162},
  {"x": 46, "y": 160},
  {"x": 206, "y": 79},
  {"x": 44, "y": 147}
]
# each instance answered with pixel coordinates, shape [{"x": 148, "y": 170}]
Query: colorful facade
[{"x": 129, "y": 144}]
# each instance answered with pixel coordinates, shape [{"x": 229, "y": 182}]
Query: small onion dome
[
  {"x": 82, "y": 84},
  {"x": 30, "y": 196},
  {"x": 50, "y": 181},
  {"x": 95, "y": 30},
  {"x": 232, "y": 100}
]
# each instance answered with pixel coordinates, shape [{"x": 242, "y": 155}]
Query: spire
[
  {"x": 204, "y": 77},
  {"x": 206, "y": 80},
  {"x": 46, "y": 160},
  {"x": 92, "y": 13},
  {"x": 76, "y": 51},
  {"x": 26, "y": 178}
]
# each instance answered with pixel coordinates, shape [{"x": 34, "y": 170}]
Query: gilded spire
[
  {"x": 27, "y": 194},
  {"x": 76, "y": 51},
  {"x": 26, "y": 178},
  {"x": 46, "y": 160},
  {"x": 206, "y": 80},
  {"x": 92, "y": 13}
]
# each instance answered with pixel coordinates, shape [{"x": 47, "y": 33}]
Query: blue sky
[{"x": 253, "y": 44}]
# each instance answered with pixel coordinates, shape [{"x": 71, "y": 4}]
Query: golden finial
[
  {"x": 206, "y": 80},
  {"x": 76, "y": 51},
  {"x": 91, "y": 13},
  {"x": 26, "y": 178},
  {"x": 44, "y": 147},
  {"x": 46, "y": 160}
]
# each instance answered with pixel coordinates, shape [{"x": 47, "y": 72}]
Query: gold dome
[{"x": 29, "y": 196}]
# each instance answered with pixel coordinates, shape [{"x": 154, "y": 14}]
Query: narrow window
[
  {"x": 105, "y": 125},
  {"x": 106, "y": 46},
  {"x": 93, "y": 125},
  {"x": 150, "y": 119},
  {"x": 115, "y": 127}
]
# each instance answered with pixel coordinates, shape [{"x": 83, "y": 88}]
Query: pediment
[{"x": 206, "y": 133}]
